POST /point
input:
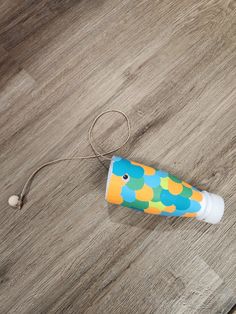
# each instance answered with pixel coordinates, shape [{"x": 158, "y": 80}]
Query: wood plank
[{"x": 171, "y": 67}]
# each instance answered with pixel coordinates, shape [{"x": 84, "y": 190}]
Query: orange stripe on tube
[
  {"x": 174, "y": 187},
  {"x": 114, "y": 190},
  {"x": 190, "y": 215},
  {"x": 152, "y": 210},
  {"x": 197, "y": 196},
  {"x": 144, "y": 194}
]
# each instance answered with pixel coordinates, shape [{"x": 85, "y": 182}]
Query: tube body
[{"x": 154, "y": 191}]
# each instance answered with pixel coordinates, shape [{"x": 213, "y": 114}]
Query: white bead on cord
[
  {"x": 17, "y": 201},
  {"x": 14, "y": 201}
]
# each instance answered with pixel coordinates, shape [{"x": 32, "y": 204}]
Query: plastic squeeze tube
[{"x": 152, "y": 191}]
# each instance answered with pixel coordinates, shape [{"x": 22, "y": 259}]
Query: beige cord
[{"x": 17, "y": 201}]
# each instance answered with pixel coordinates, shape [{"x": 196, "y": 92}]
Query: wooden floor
[{"x": 171, "y": 67}]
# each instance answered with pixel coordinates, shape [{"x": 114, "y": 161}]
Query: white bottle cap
[{"x": 212, "y": 208}]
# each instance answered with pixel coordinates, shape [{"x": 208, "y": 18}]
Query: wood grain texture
[{"x": 171, "y": 66}]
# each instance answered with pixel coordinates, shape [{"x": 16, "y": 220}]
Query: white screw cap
[{"x": 214, "y": 208}]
